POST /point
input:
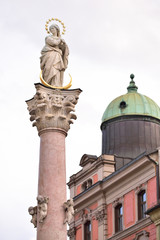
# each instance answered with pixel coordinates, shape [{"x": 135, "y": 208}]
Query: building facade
[{"x": 113, "y": 191}]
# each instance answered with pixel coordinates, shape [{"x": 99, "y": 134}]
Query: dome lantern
[{"x": 132, "y": 87}]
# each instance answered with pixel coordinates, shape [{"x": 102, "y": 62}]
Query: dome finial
[
  {"x": 132, "y": 87},
  {"x": 132, "y": 76}
]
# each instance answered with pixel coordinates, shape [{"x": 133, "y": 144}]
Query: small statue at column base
[
  {"x": 42, "y": 207},
  {"x": 69, "y": 210},
  {"x": 33, "y": 212}
]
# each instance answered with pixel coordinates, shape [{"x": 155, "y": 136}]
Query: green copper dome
[{"x": 132, "y": 103}]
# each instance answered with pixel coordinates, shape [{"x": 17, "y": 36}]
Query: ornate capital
[
  {"x": 71, "y": 232},
  {"x": 52, "y": 108}
]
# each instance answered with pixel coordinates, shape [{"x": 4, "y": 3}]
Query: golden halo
[
  {"x": 48, "y": 85},
  {"x": 54, "y": 19}
]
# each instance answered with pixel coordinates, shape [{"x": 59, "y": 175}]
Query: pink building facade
[{"x": 113, "y": 192}]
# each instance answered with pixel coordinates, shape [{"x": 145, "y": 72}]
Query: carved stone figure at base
[
  {"x": 69, "y": 210},
  {"x": 33, "y": 212},
  {"x": 42, "y": 207}
]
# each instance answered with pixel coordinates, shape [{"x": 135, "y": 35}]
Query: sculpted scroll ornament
[
  {"x": 53, "y": 108},
  {"x": 86, "y": 216}
]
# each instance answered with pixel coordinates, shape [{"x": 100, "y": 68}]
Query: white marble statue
[
  {"x": 33, "y": 212},
  {"x": 69, "y": 210},
  {"x": 54, "y": 57},
  {"x": 42, "y": 207}
]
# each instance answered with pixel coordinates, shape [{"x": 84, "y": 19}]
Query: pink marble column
[
  {"x": 52, "y": 184},
  {"x": 52, "y": 112}
]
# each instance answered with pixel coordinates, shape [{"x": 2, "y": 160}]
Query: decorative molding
[
  {"x": 86, "y": 216},
  {"x": 143, "y": 235},
  {"x": 71, "y": 232},
  {"x": 131, "y": 230},
  {"x": 86, "y": 158},
  {"x": 118, "y": 201},
  {"x": 52, "y": 108},
  {"x": 140, "y": 188},
  {"x": 100, "y": 215}
]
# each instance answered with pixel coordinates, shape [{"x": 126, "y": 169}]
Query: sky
[{"x": 108, "y": 40}]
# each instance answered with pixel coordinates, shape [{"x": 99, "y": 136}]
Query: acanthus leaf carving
[
  {"x": 52, "y": 108},
  {"x": 100, "y": 214}
]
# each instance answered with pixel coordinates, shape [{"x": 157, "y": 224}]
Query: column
[{"x": 51, "y": 111}]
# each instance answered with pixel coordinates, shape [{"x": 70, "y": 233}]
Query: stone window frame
[
  {"x": 85, "y": 218},
  {"x": 114, "y": 205},
  {"x": 84, "y": 227},
  {"x": 142, "y": 204},
  {"x": 119, "y": 214},
  {"x": 140, "y": 188}
]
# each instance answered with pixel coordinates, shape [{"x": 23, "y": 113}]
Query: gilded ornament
[{"x": 48, "y": 85}]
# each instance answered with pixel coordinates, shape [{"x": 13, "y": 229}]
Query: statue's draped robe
[{"x": 54, "y": 60}]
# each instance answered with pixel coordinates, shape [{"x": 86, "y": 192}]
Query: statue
[
  {"x": 54, "y": 56},
  {"x": 42, "y": 207},
  {"x": 33, "y": 212},
  {"x": 69, "y": 210}
]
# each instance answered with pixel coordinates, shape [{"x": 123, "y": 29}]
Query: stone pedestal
[{"x": 51, "y": 111}]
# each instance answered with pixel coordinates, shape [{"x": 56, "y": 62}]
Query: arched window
[
  {"x": 87, "y": 230},
  {"x": 118, "y": 218},
  {"x": 87, "y": 184},
  {"x": 141, "y": 204},
  {"x": 84, "y": 186}
]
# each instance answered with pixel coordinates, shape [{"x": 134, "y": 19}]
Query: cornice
[
  {"x": 74, "y": 179},
  {"x": 108, "y": 184},
  {"x": 131, "y": 230}
]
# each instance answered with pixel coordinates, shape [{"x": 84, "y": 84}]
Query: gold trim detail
[
  {"x": 55, "y": 19},
  {"x": 48, "y": 85}
]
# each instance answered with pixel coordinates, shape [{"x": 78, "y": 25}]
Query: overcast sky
[{"x": 108, "y": 40}]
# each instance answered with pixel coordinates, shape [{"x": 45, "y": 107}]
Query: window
[
  {"x": 87, "y": 230},
  {"x": 122, "y": 104},
  {"x": 141, "y": 204},
  {"x": 84, "y": 186},
  {"x": 118, "y": 218},
  {"x": 87, "y": 184}
]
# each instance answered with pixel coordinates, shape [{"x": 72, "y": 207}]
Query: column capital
[{"x": 52, "y": 109}]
